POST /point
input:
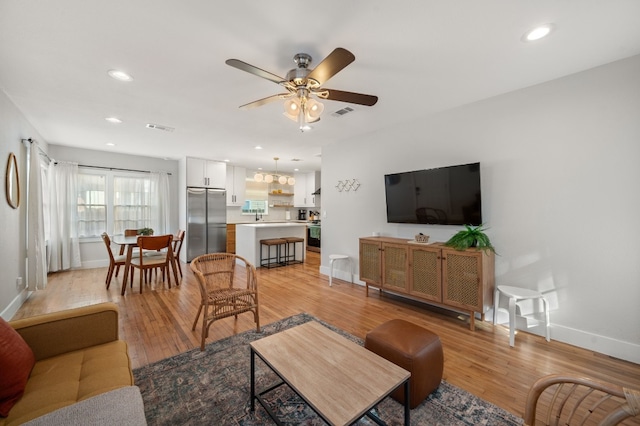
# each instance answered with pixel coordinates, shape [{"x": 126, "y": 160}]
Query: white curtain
[
  {"x": 160, "y": 203},
  {"x": 64, "y": 245},
  {"x": 36, "y": 248}
]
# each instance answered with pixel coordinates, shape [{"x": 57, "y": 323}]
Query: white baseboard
[{"x": 15, "y": 304}]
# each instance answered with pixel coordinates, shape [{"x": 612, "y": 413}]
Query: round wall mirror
[{"x": 12, "y": 182}]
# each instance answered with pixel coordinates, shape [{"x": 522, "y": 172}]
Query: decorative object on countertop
[
  {"x": 471, "y": 237},
  {"x": 348, "y": 185},
  {"x": 421, "y": 238}
]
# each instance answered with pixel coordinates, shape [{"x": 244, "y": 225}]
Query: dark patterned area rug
[{"x": 213, "y": 388}]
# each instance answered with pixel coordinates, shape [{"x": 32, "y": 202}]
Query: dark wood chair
[
  {"x": 177, "y": 247},
  {"x": 163, "y": 257},
  {"x": 114, "y": 261}
]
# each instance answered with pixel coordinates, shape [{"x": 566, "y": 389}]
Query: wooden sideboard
[{"x": 433, "y": 273}]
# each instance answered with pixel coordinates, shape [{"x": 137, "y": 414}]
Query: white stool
[
  {"x": 334, "y": 257},
  {"x": 515, "y": 294}
]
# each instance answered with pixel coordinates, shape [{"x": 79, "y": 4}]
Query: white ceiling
[{"x": 419, "y": 57}]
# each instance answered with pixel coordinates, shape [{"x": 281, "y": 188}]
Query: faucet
[{"x": 258, "y": 218}]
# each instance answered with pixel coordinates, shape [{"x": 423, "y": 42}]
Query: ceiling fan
[{"x": 304, "y": 84}]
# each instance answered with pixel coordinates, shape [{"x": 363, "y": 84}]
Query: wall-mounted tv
[{"x": 442, "y": 196}]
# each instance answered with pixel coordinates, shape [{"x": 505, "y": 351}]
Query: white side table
[
  {"x": 515, "y": 294},
  {"x": 334, "y": 257}
]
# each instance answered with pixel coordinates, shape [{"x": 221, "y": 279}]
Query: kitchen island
[{"x": 248, "y": 238}]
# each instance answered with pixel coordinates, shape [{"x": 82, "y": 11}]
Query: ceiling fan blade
[
  {"x": 351, "y": 97},
  {"x": 266, "y": 100},
  {"x": 236, "y": 63},
  {"x": 331, "y": 65}
]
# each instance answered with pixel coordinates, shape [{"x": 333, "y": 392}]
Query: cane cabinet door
[
  {"x": 463, "y": 279},
  {"x": 425, "y": 279},
  {"x": 395, "y": 264},
  {"x": 370, "y": 261}
]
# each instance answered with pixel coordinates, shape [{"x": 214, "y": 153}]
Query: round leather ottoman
[{"x": 413, "y": 348}]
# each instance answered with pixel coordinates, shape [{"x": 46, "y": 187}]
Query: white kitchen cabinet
[
  {"x": 306, "y": 185},
  {"x": 206, "y": 173},
  {"x": 236, "y": 185},
  {"x": 300, "y": 190}
]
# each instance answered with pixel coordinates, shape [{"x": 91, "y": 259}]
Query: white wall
[
  {"x": 560, "y": 175},
  {"x": 92, "y": 252},
  {"x": 13, "y": 128}
]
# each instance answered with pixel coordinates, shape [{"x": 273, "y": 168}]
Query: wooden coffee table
[{"x": 340, "y": 380}]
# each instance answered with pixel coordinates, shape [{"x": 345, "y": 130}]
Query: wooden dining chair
[
  {"x": 114, "y": 261},
  {"x": 163, "y": 258},
  {"x": 228, "y": 287},
  {"x": 177, "y": 247}
]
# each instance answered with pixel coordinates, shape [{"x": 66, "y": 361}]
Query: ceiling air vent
[
  {"x": 159, "y": 127},
  {"x": 343, "y": 111}
]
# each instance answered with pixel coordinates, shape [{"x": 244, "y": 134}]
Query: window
[
  {"x": 92, "y": 205},
  {"x": 131, "y": 203},
  {"x": 257, "y": 198},
  {"x": 110, "y": 201}
]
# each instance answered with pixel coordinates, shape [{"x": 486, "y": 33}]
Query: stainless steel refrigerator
[{"x": 206, "y": 221}]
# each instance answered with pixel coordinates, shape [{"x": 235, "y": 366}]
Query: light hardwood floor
[{"x": 157, "y": 324}]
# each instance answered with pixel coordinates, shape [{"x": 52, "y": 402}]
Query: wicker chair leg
[{"x": 196, "y": 320}]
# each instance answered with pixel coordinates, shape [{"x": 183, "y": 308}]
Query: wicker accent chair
[
  {"x": 228, "y": 287},
  {"x": 565, "y": 400}
]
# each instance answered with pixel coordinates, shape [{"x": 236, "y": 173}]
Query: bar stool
[
  {"x": 269, "y": 261},
  {"x": 516, "y": 294},
  {"x": 333, "y": 258},
  {"x": 290, "y": 258}
]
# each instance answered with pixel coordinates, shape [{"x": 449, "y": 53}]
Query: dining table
[{"x": 132, "y": 242}]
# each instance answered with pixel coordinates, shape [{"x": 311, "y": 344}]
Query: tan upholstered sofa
[{"x": 78, "y": 356}]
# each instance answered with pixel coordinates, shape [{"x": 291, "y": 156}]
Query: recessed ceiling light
[
  {"x": 110, "y": 144},
  {"x": 257, "y": 147},
  {"x": 119, "y": 75},
  {"x": 226, "y": 160},
  {"x": 113, "y": 120},
  {"x": 538, "y": 32}
]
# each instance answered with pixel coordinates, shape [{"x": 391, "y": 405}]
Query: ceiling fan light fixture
[
  {"x": 313, "y": 110},
  {"x": 292, "y": 109}
]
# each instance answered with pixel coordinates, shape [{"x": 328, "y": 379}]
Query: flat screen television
[{"x": 442, "y": 196}]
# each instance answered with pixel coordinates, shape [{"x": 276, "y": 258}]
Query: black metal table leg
[{"x": 253, "y": 380}]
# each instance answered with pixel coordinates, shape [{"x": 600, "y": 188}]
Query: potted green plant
[
  {"x": 145, "y": 231},
  {"x": 471, "y": 237}
]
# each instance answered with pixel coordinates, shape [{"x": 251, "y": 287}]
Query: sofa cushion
[
  {"x": 65, "y": 379},
  {"x": 16, "y": 362}
]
